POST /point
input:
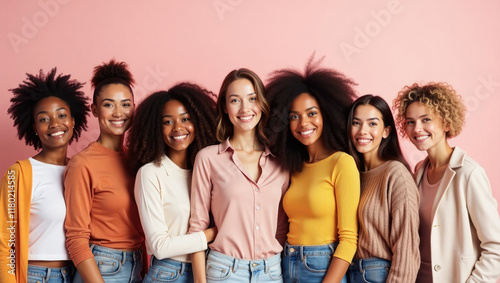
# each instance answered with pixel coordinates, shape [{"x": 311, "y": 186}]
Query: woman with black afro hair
[
  {"x": 169, "y": 129},
  {"x": 103, "y": 230},
  {"x": 308, "y": 134},
  {"x": 49, "y": 111}
]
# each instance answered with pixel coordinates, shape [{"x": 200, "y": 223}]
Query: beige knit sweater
[{"x": 388, "y": 220}]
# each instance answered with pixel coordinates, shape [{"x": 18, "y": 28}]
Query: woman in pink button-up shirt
[{"x": 240, "y": 184}]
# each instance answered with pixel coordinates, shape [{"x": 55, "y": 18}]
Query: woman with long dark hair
[{"x": 388, "y": 207}]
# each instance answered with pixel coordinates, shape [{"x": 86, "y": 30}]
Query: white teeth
[
  {"x": 245, "y": 118},
  {"x": 57, "y": 133},
  {"x": 305, "y": 133},
  {"x": 421, "y": 138},
  {"x": 179, "y": 137},
  {"x": 117, "y": 123},
  {"x": 364, "y": 140}
]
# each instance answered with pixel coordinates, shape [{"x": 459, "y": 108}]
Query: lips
[
  {"x": 363, "y": 141},
  {"x": 56, "y": 134},
  {"x": 117, "y": 123},
  {"x": 422, "y": 138},
  {"x": 306, "y": 133},
  {"x": 179, "y": 138},
  {"x": 247, "y": 118}
]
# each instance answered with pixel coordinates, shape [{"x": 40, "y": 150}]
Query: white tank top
[{"x": 47, "y": 239}]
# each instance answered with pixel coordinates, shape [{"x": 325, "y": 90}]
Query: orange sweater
[
  {"x": 15, "y": 204},
  {"x": 100, "y": 203}
]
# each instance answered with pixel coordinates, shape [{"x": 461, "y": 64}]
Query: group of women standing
[{"x": 296, "y": 181}]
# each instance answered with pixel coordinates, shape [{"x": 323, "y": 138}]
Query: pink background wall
[{"x": 382, "y": 45}]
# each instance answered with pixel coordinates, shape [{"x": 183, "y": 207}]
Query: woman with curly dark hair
[
  {"x": 49, "y": 111},
  {"x": 308, "y": 122},
  {"x": 103, "y": 230},
  {"x": 169, "y": 129},
  {"x": 240, "y": 183},
  {"x": 459, "y": 222},
  {"x": 388, "y": 207}
]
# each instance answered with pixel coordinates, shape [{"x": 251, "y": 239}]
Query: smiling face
[
  {"x": 53, "y": 122},
  {"x": 424, "y": 129},
  {"x": 306, "y": 120},
  {"x": 367, "y": 131},
  {"x": 242, "y": 106},
  {"x": 114, "y": 109},
  {"x": 178, "y": 129}
]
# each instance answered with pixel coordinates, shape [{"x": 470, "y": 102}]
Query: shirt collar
[{"x": 225, "y": 145}]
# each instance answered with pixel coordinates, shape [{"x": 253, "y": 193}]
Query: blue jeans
[
  {"x": 116, "y": 266},
  {"x": 369, "y": 270},
  {"x": 307, "y": 263},
  {"x": 169, "y": 270},
  {"x": 221, "y": 267},
  {"x": 40, "y": 274}
]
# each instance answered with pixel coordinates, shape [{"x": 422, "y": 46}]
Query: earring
[{"x": 36, "y": 134}]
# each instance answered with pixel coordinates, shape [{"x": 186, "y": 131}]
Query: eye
[
  {"x": 107, "y": 105},
  {"x": 312, "y": 114},
  {"x": 127, "y": 104},
  {"x": 185, "y": 119},
  {"x": 426, "y": 119},
  {"x": 355, "y": 123},
  {"x": 253, "y": 99},
  {"x": 294, "y": 116},
  {"x": 168, "y": 122},
  {"x": 410, "y": 123},
  {"x": 372, "y": 124},
  {"x": 63, "y": 116},
  {"x": 43, "y": 120}
]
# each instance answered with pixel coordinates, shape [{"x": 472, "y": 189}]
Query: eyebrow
[
  {"x": 369, "y": 119},
  {"x": 252, "y": 93},
  {"x": 419, "y": 117},
  {"x": 112, "y": 100},
  {"x": 58, "y": 109},
  {"x": 185, "y": 113},
  {"x": 310, "y": 108}
]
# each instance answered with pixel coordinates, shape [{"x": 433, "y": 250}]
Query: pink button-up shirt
[{"x": 249, "y": 215}]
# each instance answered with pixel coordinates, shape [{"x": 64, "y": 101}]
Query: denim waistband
[
  {"x": 245, "y": 264},
  {"x": 167, "y": 262},
  {"x": 120, "y": 255},
  {"x": 302, "y": 251},
  {"x": 367, "y": 263},
  {"x": 50, "y": 272}
]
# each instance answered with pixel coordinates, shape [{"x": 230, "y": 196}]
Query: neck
[
  {"x": 246, "y": 141},
  {"x": 53, "y": 156},
  {"x": 112, "y": 142},
  {"x": 318, "y": 151},
  {"x": 440, "y": 155},
  {"x": 179, "y": 158},
  {"x": 371, "y": 160}
]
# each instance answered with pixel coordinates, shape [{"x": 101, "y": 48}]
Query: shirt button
[
  {"x": 437, "y": 267},
  {"x": 292, "y": 250},
  {"x": 257, "y": 227},
  {"x": 257, "y": 207},
  {"x": 254, "y": 264},
  {"x": 257, "y": 189}
]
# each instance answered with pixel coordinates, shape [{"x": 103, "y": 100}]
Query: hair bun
[{"x": 112, "y": 70}]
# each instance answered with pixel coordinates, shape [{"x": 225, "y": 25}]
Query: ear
[
  {"x": 93, "y": 108},
  {"x": 387, "y": 132},
  {"x": 73, "y": 122},
  {"x": 34, "y": 129}
]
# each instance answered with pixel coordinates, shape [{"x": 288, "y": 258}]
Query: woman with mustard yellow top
[{"x": 323, "y": 197}]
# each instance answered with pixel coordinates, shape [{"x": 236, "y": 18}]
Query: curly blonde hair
[{"x": 440, "y": 98}]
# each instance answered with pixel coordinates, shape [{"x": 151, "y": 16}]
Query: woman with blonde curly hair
[{"x": 459, "y": 223}]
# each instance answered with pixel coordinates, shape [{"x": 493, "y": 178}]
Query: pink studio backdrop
[{"x": 382, "y": 45}]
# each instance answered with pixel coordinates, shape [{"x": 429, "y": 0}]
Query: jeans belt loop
[
  {"x": 124, "y": 257},
  {"x": 361, "y": 265},
  {"x": 266, "y": 266},
  {"x": 48, "y": 274},
  {"x": 302, "y": 257},
  {"x": 235, "y": 265},
  {"x": 183, "y": 267}
]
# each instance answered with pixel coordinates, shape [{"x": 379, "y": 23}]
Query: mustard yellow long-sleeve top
[{"x": 322, "y": 204}]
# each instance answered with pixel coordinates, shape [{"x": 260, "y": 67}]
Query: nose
[
  {"x": 117, "y": 112},
  {"x": 54, "y": 122},
  {"x": 177, "y": 126},
  {"x": 304, "y": 120}
]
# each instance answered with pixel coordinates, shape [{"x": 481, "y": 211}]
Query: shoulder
[
  {"x": 345, "y": 160},
  {"x": 208, "y": 152},
  {"x": 398, "y": 169},
  {"x": 149, "y": 169}
]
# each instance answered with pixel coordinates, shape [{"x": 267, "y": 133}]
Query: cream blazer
[{"x": 465, "y": 234}]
